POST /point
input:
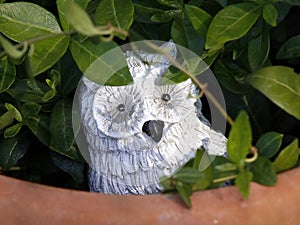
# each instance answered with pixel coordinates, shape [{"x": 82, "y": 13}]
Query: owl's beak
[{"x": 154, "y": 129}]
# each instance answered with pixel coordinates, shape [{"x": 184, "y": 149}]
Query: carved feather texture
[{"x": 124, "y": 158}]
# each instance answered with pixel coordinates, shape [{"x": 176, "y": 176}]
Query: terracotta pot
[{"x": 28, "y": 203}]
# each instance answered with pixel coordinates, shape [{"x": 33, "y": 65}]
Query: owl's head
[{"x": 138, "y": 133}]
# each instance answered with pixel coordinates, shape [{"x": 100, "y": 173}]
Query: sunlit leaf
[
  {"x": 242, "y": 181},
  {"x": 281, "y": 85},
  {"x": 19, "y": 25},
  {"x": 199, "y": 18},
  {"x": 231, "y": 23},
  {"x": 239, "y": 140},
  {"x": 117, "y": 12},
  {"x": 287, "y": 158}
]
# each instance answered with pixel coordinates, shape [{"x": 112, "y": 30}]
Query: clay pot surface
[{"x": 24, "y": 203}]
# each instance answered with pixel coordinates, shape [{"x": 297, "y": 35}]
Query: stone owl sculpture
[{"x": 142, "y": 132}]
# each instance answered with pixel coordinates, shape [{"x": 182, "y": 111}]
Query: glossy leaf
[
  {"x": 165, "y": 16},
  {"x": 290, "y": 49},
  {"x": 270, "y": 14},
  {"x": 61, "y": 5},
  {"x": 263, "y": 171},
  {"x": 11, "y": 150},
  {"x": 281, "y": 85},
  {"x": 143, "y": 12},
  {"x": 199, "y": 18},
  {"x": 242, "y": 181},
  {"x": 188, "y": 175},
  {"x": 117, "y": 12},
  {"x": 17, "y": 25},
  {"x": 269, "y": 144},
  {"x": 60, "y": 127},
  {"x": 258, "y": 49},
  {"x": 13, "y": 130},
  {"x": 26, "y": 90},
  {"x": 239, "y": 140},
  {"x": 231, "y": 23},
  {"x": 172, "y": 3},
  {"x": 8, "y": 74},
  {"x": 79, "y": 19},
  {"x": 287, "y": 158}
]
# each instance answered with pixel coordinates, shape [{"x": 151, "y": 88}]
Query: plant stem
[{"x": 223, "y": 179}]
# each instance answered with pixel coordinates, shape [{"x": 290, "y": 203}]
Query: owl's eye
[
  {"x": 166, "y": 97},
  {"x": 121, "y": 107}
]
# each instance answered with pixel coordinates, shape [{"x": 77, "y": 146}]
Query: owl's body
[{"x": 139, "y": 133}]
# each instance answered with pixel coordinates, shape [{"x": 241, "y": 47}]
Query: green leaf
[
  {"x": 269, "y": 144},
  {"x": 165, "y": 16},
  {"x": 287, "y": 158},
  {"x": 7, "y": 119},
  {"x": 66, "y": 65},
  {"x": 281, "y": 85},
  {"x": 239, "y": 140},
  {"x": 13, "y": 130},
  {"x": 199, "y": 19},
  {"x": 183, "y": 33},
  {"x": 173, "y": 75},
  {"x": 61, "y": 5},
  {"x": 86, "y": 52},
  {"x": 19, "y": 25},
  {"x": 232, "y": 77},
  {"x": 263, "y": 171},
  {"x": 39, "y": 126},
  {"x": 79, "y": 19},
  {"x": 105, "y": 57},
  {"x": 27, "y": 90},
  {"x": 172, "y": 3},
  {"x": 242, "y": 181},
  {"x": 231, "y": 23},
  {"x": 270, "y": 14},
  {"x": 8, "y": 74},
  {"x": 143, "y": 12},
  {"x": 30, "y": 109},
  {"x": 10, "y": 107},
  {"x": 185, "y": 192},
  {"x": 11, "y": 50},
  {"x": 11, "y": 150},
  {"x": 258, "y": 49},
  {"x": 61, "y": 129},
  {"x": 290, "y": 49},
  {"x": 117, "y": 12},
  {"x": 188, "y": 175}
]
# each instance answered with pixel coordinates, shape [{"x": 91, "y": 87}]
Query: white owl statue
[{"x": 139, "y": 133}]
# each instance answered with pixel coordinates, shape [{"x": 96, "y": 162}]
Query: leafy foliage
[{"x": 251, "y": 46}]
